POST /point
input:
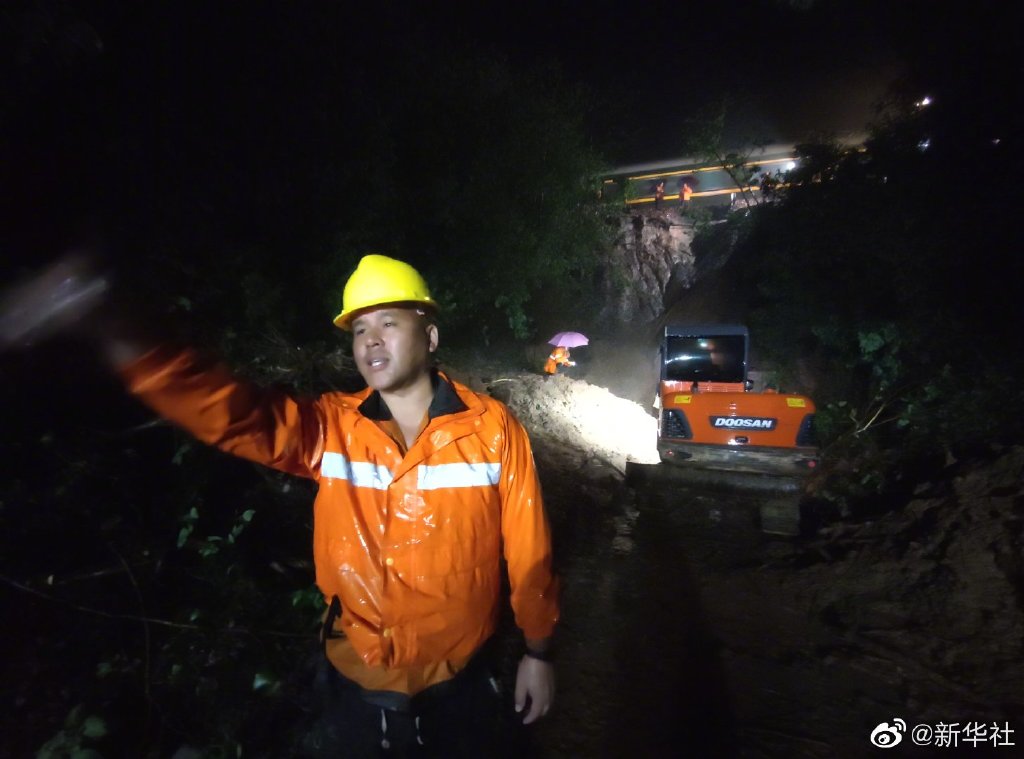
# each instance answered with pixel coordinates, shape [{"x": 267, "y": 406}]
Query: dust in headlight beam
[{"x": 586, "y": 416}]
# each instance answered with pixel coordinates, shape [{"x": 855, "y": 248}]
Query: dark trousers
[{"x": 460, "y": 718}]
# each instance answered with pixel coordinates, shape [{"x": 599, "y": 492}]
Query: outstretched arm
[{"x": 265, "y": 426}]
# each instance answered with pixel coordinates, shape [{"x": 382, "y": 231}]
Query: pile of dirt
[
  {"x": 936, "y": 588},
  {"x": 577, "y": 414}
]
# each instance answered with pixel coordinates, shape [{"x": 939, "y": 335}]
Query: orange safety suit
[
  {"x": 559, "y": 357},
  {"x": 409, "y": 544},
  {"x": 685, "y": 192}
]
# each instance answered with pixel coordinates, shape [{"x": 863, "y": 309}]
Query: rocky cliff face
[{"x": 653, "y": 261}]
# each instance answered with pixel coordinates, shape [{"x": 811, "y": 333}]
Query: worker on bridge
[
  {"x": 659, "y": 193},
  {"x": 685, "y": 193}
]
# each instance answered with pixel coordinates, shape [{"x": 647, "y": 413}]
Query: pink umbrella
[{"x": 568, "y": 340}]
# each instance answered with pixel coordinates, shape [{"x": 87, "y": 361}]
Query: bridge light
[
  {"x": 926, "y": 100},
  {"x": 790, "y": 166}
]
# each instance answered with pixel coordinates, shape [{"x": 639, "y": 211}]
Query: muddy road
[
  {"x": 670, "y": 644},
  {"x": 686, "y": 632}
]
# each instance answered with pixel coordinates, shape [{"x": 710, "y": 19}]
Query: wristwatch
[{"x": 547, "y": 656}]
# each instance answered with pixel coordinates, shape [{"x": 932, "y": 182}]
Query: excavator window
[{"x": 712, "y": 358}]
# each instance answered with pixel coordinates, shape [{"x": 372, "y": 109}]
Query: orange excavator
[{"x": 713, "y": 422}]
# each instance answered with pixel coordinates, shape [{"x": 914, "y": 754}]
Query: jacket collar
[{"x": 445, "y": 401}]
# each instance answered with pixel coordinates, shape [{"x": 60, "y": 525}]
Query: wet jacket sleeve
[
  {"x": 527, "y": 537},
  {"x": 263, "y": 425}
]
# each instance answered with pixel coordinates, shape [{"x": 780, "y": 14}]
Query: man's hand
[
  {"x": 71, "y": 297},
  {"x": 54, "y": 300},
  {"x": 535, "y": 682}
]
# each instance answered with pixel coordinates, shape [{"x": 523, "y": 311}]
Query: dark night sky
[
  {"x": 787, "y": 65},
  {"x": 73, "y": 69},
  {"x": 791, "y": 65}
]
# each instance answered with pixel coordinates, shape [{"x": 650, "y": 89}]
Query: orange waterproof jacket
[
  {"x": 558, "y": 357},
  {"x": 410, "y": 544}
]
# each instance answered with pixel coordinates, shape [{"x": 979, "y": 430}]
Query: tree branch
[{"x": 150, "y": 620}]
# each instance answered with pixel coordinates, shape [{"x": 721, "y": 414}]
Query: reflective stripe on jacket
[
  {"x": 558, "y": 357},
  {"x": 410, "y": 544}
]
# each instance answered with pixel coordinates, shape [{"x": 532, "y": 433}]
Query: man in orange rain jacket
[
  {"x": 423, "y": 485},
  {"x": 558, "y": 357}
]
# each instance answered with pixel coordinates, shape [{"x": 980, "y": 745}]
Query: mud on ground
[{"x": 687, "y": 630}]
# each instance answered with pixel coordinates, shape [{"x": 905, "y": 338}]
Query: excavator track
[{"x": 778, "y": 498}]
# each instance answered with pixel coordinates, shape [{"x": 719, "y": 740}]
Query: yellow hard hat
[{"x": 379, "y": 280}]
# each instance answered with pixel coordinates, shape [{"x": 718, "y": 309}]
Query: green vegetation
[
  {"x": 479, "y": 176},
  {"x": 163, "y": 591},
  {"x": 886, "y": 281},
  {"x": 703, "y": 135}
]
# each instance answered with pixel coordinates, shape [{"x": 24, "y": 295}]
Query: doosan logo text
[{"x": 743, "y": 422}]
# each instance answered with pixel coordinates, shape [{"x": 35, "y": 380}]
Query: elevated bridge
[{"x": 711, "y": 184}]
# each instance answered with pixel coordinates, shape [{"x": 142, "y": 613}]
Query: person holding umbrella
[{"x": 559, "y": 357}]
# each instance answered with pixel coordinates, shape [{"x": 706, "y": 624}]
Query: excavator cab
[
  {"x": 710, "y": 416},
  {"x": 719, "y": 359}
]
